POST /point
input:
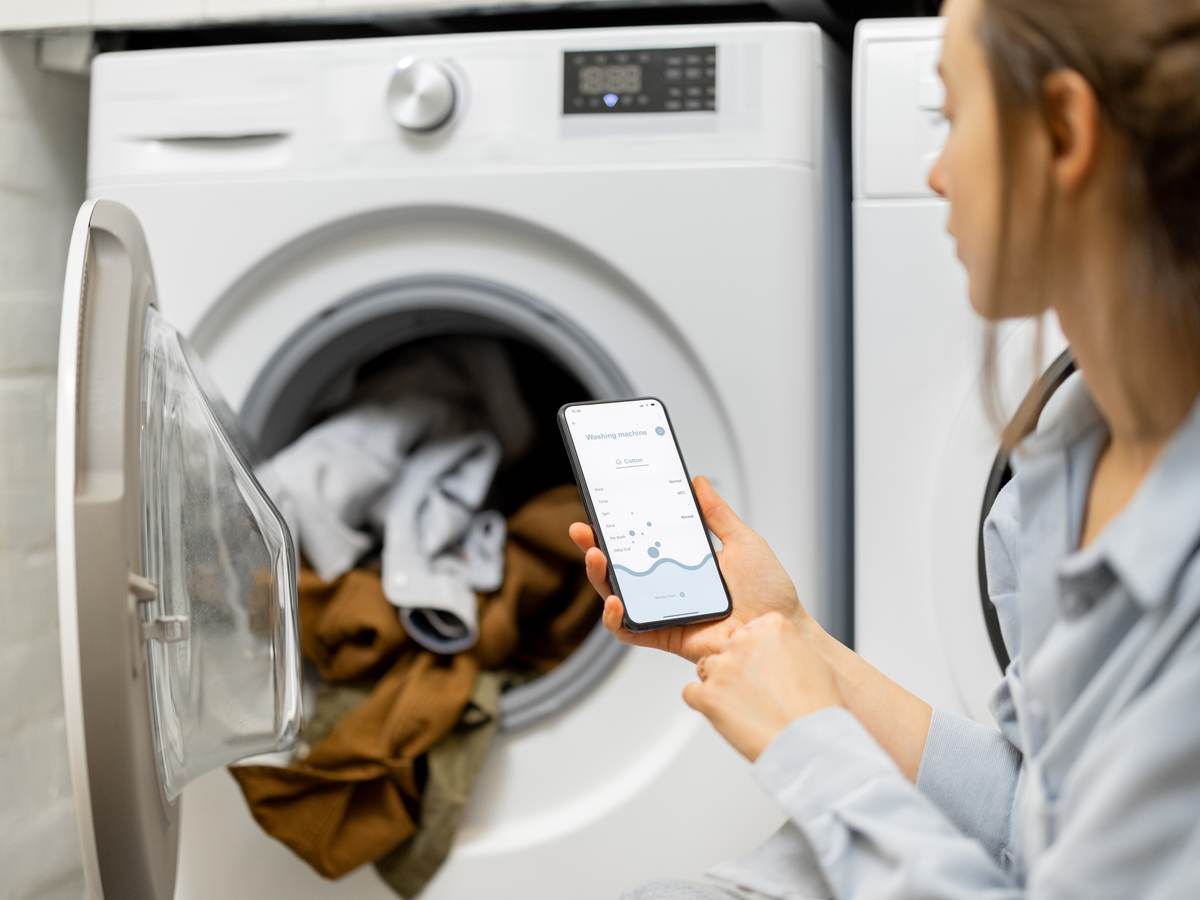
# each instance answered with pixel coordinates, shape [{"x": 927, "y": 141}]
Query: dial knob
[{"x": 421, "y": 94}]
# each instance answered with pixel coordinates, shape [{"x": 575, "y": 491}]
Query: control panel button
[{"x": 639, "y": 80}]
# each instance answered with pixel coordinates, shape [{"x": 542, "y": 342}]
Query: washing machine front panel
[
  {"x": 745, "y": 229},
  {"x": 697, "y": 250},
  {"x": 312, "y": 108}
]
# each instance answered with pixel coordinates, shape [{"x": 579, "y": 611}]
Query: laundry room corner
[{"x": 43, "y": 126}]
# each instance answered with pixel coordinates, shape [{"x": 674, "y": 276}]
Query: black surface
[{"x": 837, "y": 17}]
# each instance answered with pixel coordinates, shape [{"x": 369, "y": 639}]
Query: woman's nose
[{"x": 935, "y": 178}]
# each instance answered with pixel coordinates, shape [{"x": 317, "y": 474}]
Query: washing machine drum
[{"x": 364, "y": 335}]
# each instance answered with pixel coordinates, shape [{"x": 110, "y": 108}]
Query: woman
[{"x": 1072, "y": 171}]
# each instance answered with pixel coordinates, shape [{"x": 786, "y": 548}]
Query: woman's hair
[{"x": 1142, "y": 60}]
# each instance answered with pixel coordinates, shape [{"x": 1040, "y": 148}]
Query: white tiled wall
[{"x": 43, "y": 122}]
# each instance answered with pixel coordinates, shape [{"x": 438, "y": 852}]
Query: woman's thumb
[{"x": 718, "y": 515}]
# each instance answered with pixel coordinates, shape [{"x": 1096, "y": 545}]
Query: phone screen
[{"x": 644, "y": 511}]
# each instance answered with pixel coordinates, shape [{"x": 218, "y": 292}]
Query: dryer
[
  {"x": 927, "y": 462},
  {"x": 648, "y": 210}
]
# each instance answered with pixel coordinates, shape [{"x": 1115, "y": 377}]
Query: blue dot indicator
[
  {"x": 659, "y": 430},
  {"x": 658, "y": 543},
  {"x": 610, "y": 100},
  {"x": 631, "y": 532},
  {"x": 653, "y": 552},
  {"x": 647, "y": 524}
]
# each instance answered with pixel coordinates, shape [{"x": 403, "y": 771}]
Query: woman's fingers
[
  {"x": 594, "y": 560},
  {"x": 718, "y": 515},
  {"x": 597, "y": 571},
  {"x": 613, "y": 617},
  {"x": 694, "y": 696},
  {"x": 581, "y": 534}
]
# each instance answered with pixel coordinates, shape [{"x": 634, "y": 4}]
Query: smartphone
[{"x": 639, "y": 498}]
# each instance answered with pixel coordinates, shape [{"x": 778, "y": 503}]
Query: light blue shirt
[{"x": 1090, "y": 785}]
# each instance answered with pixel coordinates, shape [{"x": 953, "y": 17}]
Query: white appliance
[
  {"x": 652, "y": 210},
  {"x": 926, "y": 457}
]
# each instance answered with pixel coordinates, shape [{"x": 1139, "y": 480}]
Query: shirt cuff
[{"x": 818, "y": 760}]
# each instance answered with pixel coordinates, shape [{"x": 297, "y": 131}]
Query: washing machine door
[
  {"x": 176, "y": 575},
  {"x": 1001, "y": 474}
]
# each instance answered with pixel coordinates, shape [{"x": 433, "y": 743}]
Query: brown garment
[
  {"x": 453, "y": 764},
  {"x": 347, "y": 627},
  {"x": 356, "y": 795},
  {"x": 353, "y": 798},
  {"x": 545, "y": 607}
]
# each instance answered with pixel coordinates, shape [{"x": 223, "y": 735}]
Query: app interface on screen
[{"x": 644, "y": 507}]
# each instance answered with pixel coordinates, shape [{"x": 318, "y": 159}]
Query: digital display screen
[
  {"x": 605, "y": 79},
  {"x": 679, "y": 79},
  {"x": 645, "y": 510}
]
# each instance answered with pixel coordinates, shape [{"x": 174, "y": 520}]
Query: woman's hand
[
  {"x": 756, "y": 579},
  {"x": 768, "y": 674}
]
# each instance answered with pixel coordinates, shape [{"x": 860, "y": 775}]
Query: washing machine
[
  {"x": 643, "y": 210},
  {"x": 927, "y": 461}
]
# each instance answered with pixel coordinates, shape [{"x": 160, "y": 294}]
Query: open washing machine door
[{"x": 176, "y": 575}]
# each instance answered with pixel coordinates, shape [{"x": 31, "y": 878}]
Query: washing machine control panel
[{"x": 663, "y": 80}]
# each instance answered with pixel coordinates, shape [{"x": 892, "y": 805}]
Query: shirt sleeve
[
  {"x": 1123, "y": 824},
  {"x": 970, "y": 773},
  {"x": 873, "y": 834}
]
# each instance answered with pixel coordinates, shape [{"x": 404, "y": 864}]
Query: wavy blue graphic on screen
[
  {"x": 664, "y": 592},
  {"x": 659, "y": 562}
]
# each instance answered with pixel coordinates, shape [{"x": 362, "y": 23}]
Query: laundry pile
[{"x": 417, "y": 608}]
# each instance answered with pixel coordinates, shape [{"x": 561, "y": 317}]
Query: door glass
[{"x": 222, "y": 643}]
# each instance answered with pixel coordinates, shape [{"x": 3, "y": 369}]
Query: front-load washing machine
[
  {"x": 650, "y": 210},
  {"x": 927, "y": 463}
]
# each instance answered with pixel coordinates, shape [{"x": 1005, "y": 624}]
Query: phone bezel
[{"x": 581, "y": 483}]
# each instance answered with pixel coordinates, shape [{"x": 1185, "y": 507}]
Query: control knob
[{"x": 421, "y": 95}]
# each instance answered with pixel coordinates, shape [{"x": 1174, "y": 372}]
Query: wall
[{"x": 43, "y": 124}]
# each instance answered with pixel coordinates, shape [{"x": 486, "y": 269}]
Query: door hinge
[
  {"x": 164, "y": 629},
  {"x": 167, "y": 629}
]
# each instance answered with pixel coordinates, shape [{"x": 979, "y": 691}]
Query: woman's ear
[{"x": 1073, "y": 119}]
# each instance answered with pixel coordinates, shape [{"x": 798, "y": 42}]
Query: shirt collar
[{"x": 1147, "y": 545}]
